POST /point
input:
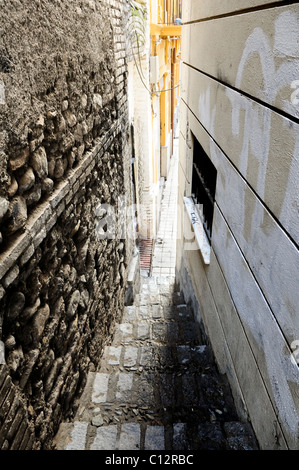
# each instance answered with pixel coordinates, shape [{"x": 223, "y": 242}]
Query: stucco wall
[{"x": 240, "y": 101}]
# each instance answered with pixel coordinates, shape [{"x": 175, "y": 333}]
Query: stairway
[{"x": 157, "y": 387}]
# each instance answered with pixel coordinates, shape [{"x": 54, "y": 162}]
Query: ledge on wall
[
  {"x": 198, "y": 229},
  {"x": 133, "y": 281}
]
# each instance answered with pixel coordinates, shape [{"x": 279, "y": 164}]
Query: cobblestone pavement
[
  {"x": 164, "y": 253},
  {"x": 158, "y": 387}
]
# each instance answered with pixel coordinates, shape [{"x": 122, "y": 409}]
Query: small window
[{"x": 203, "y": 189}]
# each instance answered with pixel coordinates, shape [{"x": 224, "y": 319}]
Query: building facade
[
  {"x": 238, "y": 201},
  {"x": 165, "y": 75},
  {"x": 154, "y": 88}
]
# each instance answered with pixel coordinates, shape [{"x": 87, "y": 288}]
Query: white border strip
[{"x": 199, "y": 232}]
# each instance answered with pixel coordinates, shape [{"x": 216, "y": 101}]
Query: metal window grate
[{"x": 203, "y": 188}]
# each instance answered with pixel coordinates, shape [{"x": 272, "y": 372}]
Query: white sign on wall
[
  {"x": 295, "y": 94},
  {"x": 2, "y": 353},
  {"x": 2, "y": 92}
]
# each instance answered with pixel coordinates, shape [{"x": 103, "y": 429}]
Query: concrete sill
[
  {"x": 199, "y": 232},
  {"x": 173, "y": 30}
]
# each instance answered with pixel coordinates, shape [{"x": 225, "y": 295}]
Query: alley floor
[{"x": 158, "y": 387}]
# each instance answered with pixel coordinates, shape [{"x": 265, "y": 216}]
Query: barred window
[{"x": 204, "y": 175}]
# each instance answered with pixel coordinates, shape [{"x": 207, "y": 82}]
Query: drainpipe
[{"x": 173, "y": 62}]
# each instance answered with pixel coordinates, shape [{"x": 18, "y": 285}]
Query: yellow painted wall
[{"x": 164, "y": 39}]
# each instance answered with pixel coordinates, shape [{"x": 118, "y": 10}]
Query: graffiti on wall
[{"x": 252, "y": 123}]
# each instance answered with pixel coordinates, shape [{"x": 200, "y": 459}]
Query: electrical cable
[
  {"x": 170, "y": 89},
  {"x": 140, "y": 72},
  {"x": 139, "y": 54},
  {"x": 142, "y": 78}
]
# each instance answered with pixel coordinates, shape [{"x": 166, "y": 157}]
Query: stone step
[
  {"x": 158, "y": 386},
  {"x": 82, "y": 435},
  {"x": 155, "y": 395},
  {"x": 155, "y": 356},
  {"x": 157, "y": 332},
  {"x": 127, "y": 436},
  {"x": 158, "y": 312}
]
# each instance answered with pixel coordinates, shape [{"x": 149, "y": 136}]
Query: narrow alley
[
  {"x": 157, "y": 387},
  {"x": 149, "y": 230}
]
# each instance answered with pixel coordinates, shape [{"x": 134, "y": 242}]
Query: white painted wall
[
  {"x": 240, "y": 100},
  {"x": 146, "y": 135}
]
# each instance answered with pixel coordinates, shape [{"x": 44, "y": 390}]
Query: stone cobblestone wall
[{"x": 64, "y": 152}]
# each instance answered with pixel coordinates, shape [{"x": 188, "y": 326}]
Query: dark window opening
[{"x": 203, "y": 189}]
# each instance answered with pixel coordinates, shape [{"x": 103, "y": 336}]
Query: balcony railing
[{"x": 171, "y": 12}]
